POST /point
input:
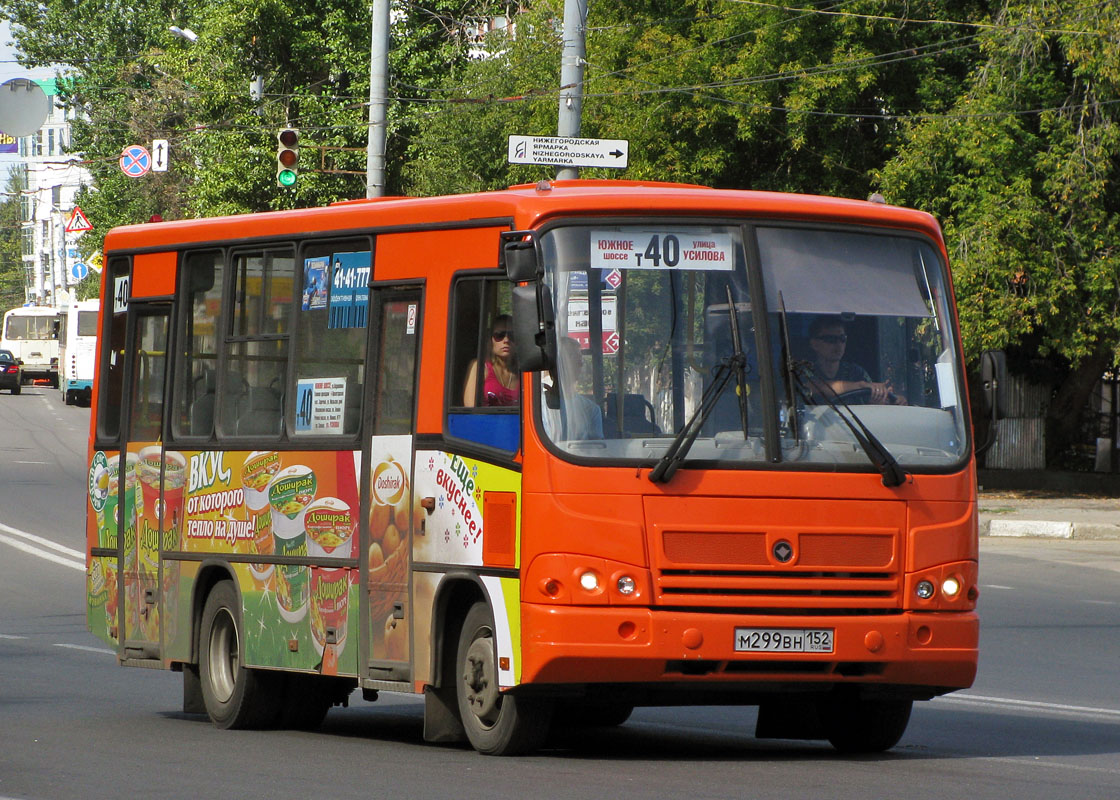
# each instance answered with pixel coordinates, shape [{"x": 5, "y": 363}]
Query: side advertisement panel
[
  {"x": 287, "y": 522},
  {"x": 454, "y": 534},
  {"x": 297, "y": 512}
]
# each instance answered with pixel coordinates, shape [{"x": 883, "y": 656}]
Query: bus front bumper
[{"x": 573, "y": 644}]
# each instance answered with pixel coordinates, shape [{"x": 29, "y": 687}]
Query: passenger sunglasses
[
  {"x": 501, "y": 335},
  {"x": 833, "y": 338}
]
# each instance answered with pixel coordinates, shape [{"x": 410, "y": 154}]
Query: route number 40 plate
[{"x": 783, "y": 640}]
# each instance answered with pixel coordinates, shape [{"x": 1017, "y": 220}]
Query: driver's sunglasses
[
  {"x": 833, "y": 338},
  {"x": 500, "y": 336}
]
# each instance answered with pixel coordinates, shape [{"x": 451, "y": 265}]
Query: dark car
[{"x": 11, "y": 372}]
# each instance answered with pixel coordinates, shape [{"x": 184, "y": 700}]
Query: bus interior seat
[
  {"x": 637, "y": 416},
  {"x": 261, "y": 412},
  {"x": 202, "y": 407}
]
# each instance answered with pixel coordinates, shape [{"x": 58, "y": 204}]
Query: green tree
[
  {"x": 12, "y": 279},
  {"x": 1023, "y": 171},
  {"x": 718, "y": 93},
  {"x": 134, "y": 81}
]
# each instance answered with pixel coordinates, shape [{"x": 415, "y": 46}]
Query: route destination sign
[{"x": 562, "y": 151}]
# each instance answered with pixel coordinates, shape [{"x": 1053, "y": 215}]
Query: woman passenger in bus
[
  {"x": 832, "y": 376},
  {"x": 500, "y": 384}
]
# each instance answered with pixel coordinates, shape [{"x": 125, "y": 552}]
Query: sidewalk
[{"x": 1043, "y": 514}]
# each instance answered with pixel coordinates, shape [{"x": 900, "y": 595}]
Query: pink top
[{"x": 496, "y": 393}]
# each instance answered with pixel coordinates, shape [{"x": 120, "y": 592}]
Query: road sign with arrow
[
  {"x": 160, "y": 155},
  {"x": 569, "y": 152}
]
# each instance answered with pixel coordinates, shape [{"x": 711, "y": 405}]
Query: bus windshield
[
  {"x": 39, "y": 326},
  {"x": 831, "y": 323}
]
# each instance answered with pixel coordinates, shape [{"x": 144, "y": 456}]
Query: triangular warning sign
[{"x": 78, "y": 222}]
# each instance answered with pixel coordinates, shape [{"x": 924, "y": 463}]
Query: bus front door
[
  {"x": 141, "y": 476},
  {"x": 393, "y": 359}
]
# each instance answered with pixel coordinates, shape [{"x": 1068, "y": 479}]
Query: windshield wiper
[
  {"x": 888, "y": 466},
  {"x": 675, "y": 455},
  {"x": 787, "y": 360},
  {"x": 741, "y": 362}
]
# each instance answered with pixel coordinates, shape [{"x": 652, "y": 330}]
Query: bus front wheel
[
  {"x": 496, "y": 724},
  {"x": 234, "y": 696},
  {"x": 858, "y": 725}
]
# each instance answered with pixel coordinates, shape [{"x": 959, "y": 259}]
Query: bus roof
[{"x": 523, "y": 206}]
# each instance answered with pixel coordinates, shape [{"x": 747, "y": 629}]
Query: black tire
[
  {"x": 855, "y": 725},
  {"x": 235, "y": 697},
  {"x": 17, "y": 389},
  {"x": 497, "y": 724},
  {"x": 68, "y": 398}
]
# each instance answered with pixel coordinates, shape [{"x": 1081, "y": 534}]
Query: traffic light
[{"x": 287, "y": 156}]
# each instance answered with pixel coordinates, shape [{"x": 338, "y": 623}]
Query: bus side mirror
[
  {"x": 534, "y": 327},
  {"x": 518, "y": 256},
  {"x": 993, "y": 383}
]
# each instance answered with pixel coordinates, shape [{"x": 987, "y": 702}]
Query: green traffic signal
[{"x": 287, "y": 156}]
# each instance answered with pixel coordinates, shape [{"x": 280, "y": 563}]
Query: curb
[{"x": 1046, "y": 529}]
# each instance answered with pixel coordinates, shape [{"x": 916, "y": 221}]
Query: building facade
[{"x": 50, "y": 177}]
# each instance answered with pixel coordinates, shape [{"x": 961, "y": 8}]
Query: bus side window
[
  {"x": 254, "y": 377},
  {"x": 196, "y": 375},
  {"x": 330, "y": 337},
  {"x": 484, "y": 403},
  {"x": 111, "y": 392}
]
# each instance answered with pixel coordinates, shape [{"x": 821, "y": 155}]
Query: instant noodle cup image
[
  {"x": 289, "y": 494},
  {"x": 174, "y": 484},
  {"x": 330, "y": 528},
  {"x": 330, "y": 606},
  {"x": 256, "y": 474},
  {"x": 95, "y": 583},
  {"x": 149, "y": 468}
]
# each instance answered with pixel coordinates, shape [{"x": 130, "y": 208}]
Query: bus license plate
[{"x": 783, "y": 640}]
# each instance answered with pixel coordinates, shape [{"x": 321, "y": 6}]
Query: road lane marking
[
  {"x": 996, "y": 586},
  {"x": 31, "y": 462},
  {"x": 87, "y": 648},
  {"x": 75, "y": 559},
  {"x": 1031, "y": 705},
  {"x": 11, "y": 636},
  {"x": 1036, "y": 762},
  {"x": 31, "y": 537}
]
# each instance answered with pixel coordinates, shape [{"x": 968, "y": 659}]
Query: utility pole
[
  {"x": 378, "y": 99},
  {"x": 572, "y": 60}
]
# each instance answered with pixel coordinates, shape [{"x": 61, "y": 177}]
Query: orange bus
[{"x": 540, "y": 455}]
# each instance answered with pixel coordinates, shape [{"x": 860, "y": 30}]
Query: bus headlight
[
  {"x": 924, "y": 590},
  {"x": 950, "y": 587},
  {"x": 627, "y": 585},
  {"x": 589, "y": 581}
]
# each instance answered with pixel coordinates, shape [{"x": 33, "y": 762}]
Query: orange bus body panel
[{"x": 153, "y": 274}]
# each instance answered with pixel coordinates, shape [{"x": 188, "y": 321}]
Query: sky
[{"x": 10, "y": 69}]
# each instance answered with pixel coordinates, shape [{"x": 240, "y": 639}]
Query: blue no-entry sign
[{"x": 135, "y": 161}]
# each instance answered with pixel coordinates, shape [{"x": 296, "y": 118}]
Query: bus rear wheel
[
  {"x": 234, "y": 696},
  {"x": 496, "y": 724},
  {"x": 857, "y": 725}
]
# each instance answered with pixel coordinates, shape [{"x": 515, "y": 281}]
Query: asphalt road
[{"x": 1042, "y": 721}]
